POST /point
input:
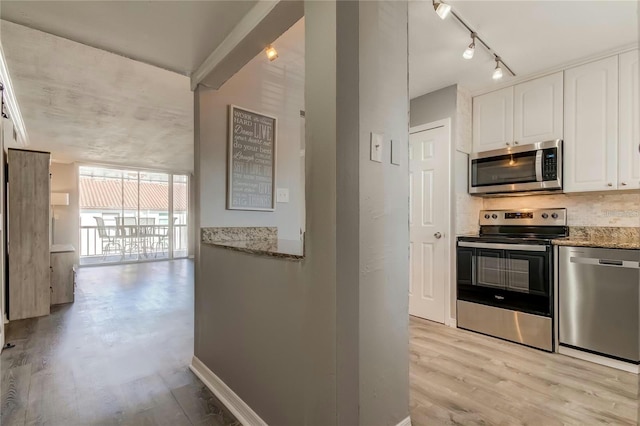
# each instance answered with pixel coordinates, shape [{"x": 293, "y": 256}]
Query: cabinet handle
[
  {"x": 609, "y": 184},
  {"x": 516, "y": 143},
  {"x": 508, "y": 144},
  {"x": 623, "y": 183}
]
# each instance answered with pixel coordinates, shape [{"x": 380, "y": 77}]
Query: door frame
[{"x": 449, "y": 320}]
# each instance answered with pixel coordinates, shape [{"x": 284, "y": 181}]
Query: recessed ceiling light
[
  {"x": 272, "y": 53},
  {"x": 442, "y": 9}
]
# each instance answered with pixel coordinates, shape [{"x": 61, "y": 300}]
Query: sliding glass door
[
  {"x": 180, "y": 211},
  {"x": 130, "y": 215}
]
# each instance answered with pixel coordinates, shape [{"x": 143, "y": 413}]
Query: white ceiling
[
  {"x": 530, "y": 36},
  {"x": 175, "y": 35},
  {"x": 85, "y": 104}
]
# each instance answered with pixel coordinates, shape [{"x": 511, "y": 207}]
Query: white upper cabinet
[
  {"x": 629, "y": 144},
  {"x": 493, "y": 120},
  {"x": 591, "y": 126},
  {"x": 538, "y": 111}
]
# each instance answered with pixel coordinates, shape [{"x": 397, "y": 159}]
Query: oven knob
[
  {"x": 554, "y": 215},
  {"x": 494, "y": 216},
  {"x": 487, "y": 216},
  {"x": 544, "y": 215}
]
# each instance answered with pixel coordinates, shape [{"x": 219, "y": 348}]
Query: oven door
[{"x": 510, "y": 276}]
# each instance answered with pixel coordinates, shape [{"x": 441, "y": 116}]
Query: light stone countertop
[
  {"x": 597, "y": 243},
  {"x": 284, "y": 249},
  {"x": 601, "y": 237}
]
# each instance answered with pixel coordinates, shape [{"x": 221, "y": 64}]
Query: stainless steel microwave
[{"x": 518, "y": 169}]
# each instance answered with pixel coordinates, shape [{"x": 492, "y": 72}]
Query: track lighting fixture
[
  {"x": 497, "y": 73},
  {"x": 468, "y": 54},
  {"x": 442, "y": 9},
  {"x": 272, "y": 53}
]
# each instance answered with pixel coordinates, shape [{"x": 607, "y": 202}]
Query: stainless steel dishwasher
[{"x": 599, "y": 301}]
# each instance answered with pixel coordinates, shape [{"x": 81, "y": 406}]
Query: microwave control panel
[{"x": 550, "y": 164}]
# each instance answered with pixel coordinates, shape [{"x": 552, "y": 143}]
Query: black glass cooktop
[
  {"x": 518, "y": 234},
  {"x": 506, "y": 239}
]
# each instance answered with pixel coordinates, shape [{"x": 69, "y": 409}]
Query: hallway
[{"x": 118, "y": 355}]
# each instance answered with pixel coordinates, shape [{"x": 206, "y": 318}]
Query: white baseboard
[
  {"x": 602, "y": 360},
  {"x": 405, "y": 422},
  {"x": 243, "y": 413},
  {"x": 453, "y": 323}
]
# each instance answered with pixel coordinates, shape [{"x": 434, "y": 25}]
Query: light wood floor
[
  {"x": 119, "y": 355},
  {"x": 459, "y": 377}
]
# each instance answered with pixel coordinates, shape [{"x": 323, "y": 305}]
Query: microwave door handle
[{"x": 539, "y": 165}]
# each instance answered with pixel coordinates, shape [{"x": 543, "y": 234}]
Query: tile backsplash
[
  {"x": 467, "y": 214},
  {"x": 610, "y": 209}
]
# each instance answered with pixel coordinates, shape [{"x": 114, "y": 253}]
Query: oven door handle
[
  {"x": 539, "y": 165},
  {"x": 497, "y": 246}
]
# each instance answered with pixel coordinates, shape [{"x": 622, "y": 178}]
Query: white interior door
[{"x": 429, "y": 222}]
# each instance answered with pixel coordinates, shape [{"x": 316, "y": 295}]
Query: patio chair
[
  {"x": 146, "y": 233},
  {"x": 109, "y": 240},
  {"x": 163, "y": 238},
  {"x": 127, "y": 231}
]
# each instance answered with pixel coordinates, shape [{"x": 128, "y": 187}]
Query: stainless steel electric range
[{"x": 505, "y": 275}]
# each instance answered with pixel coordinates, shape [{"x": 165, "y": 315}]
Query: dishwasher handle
[
  {"x": 628, "y": 264},
  {"x": 611, "y": 262}
]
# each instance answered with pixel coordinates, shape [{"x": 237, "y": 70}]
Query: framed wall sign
[{"x": 251, "y": 166}]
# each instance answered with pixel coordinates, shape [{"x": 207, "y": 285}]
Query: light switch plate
[
  {"x": 282, "y": 195},
  {"x": 376, "y": 147},
  {"x": 395, "y": 152}
]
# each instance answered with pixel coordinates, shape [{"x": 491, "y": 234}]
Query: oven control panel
[{"x": 537, "y": 217}]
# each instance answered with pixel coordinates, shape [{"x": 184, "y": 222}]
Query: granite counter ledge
[
  {"x": 601, "y": 237},
  {"x": 284, "y": 249},
  {"x": 258, "y": 240},
  {"x": 597, "y": 243}
]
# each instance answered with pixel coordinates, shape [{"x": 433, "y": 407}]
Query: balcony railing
[{"x": 131, "y": 242}]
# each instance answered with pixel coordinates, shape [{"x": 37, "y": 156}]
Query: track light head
[
  {"x": 468, "y": 53},
  {"x": 272, "y": 53},
  {"x": 442, "y": 9},
  {"x": 497, "y": 72}
]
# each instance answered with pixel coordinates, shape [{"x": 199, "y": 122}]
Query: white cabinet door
[
  {"x": 493, "y": 120},
  {"x": 629, "y": 155},
  {"x": 537, "y": 114},
  {"x": 591, "y": 126}
]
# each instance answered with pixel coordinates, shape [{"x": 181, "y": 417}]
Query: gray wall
[
  {"x": 251, "y": 315},
  {"x": 384, "y": 215},
  {"x": 273, "y": 88},
  {"x": 322, "y": 341},
  {"x": 434, "y": 106},
  {"x": 264, "y": 330}
]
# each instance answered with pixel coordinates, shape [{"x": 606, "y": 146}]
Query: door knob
[{"x": 437, "y": 235}]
